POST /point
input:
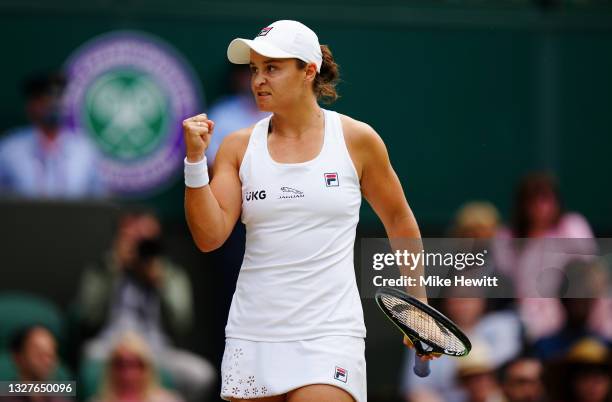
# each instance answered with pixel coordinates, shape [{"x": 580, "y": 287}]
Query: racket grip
[{"x": 421, "y": 368}]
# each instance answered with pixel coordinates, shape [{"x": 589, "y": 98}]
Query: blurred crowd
[
  {"x": 526, "y": 348},
  {"x": 134, "y": 305},
  {"x": 47, "y": 158}
]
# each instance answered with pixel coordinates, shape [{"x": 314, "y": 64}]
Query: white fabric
[
  {"x": 297, "y": 279},
  {"x": 259, "y": 369},
  {"x": 196, "y": 173},
  {"x": 282, "y": 39}
]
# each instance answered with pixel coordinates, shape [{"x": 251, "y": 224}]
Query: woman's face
[
  {"x": 542, "y": 209},
  {"x": 592, "y": 387},
  {"x": 128, "y": 370},
  {"x": 465, "y": 311},
  {"x": 279, "y": 84}
]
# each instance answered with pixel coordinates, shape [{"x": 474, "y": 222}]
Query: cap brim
[{"x": 239, "y": 50}]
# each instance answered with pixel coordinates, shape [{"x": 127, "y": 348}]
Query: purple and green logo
[{"x": 129, "y": 92}]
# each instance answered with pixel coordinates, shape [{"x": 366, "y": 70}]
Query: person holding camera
[{"x": 135, "y": 288}]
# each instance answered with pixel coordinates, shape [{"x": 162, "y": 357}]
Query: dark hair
[
  {"x": 20, "y": 337},
  {"x": 120, "y": 215},
  {"x": 48, "y": 83},
  {"x": 525, "y": 354},
  {"x": 326, "y": 80},
  {"x": 529, "y": 188}
]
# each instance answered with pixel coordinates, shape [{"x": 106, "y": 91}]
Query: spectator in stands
[
  {"x": 521, "y": 380},
  {"x": 499, "y": 330},
  {"x": 577, "y": 312},
  {"x": 130, "y": 374},
  {"x": 495, "y": 332},
  {"x": 584, "y": 374},
  {"x": 538, "y": 211},
  {"x": 539, "y": 216},
  {"x": 48, "y": 159},
  {"x": 477, "y": 220},
  {"x": 475, "y": 374},
  {"x": 135, "y": 287},
  {"x": 34, "y": 351}
]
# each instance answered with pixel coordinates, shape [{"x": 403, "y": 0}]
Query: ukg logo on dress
[{"x": 130, "y": 91}]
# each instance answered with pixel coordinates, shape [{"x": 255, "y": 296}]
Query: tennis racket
[{"x": 429, "y": 330}]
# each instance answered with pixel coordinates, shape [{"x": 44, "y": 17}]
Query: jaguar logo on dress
[
  {"x": 255, "y": 195},
  {"x": 341, "y": 374},
  {"x": 288, "y": 192},
  {"x": 331, "y": 179}
]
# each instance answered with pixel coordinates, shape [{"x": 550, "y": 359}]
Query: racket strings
[{"x": 423, "y": 324}]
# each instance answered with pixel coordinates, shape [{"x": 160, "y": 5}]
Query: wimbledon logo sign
[{"x": 129, "y": 92}]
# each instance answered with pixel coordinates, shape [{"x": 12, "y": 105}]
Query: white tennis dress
[{"x": 296, "y": 317}]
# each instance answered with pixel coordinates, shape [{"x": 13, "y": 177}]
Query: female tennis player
[{"x": 295, "y": 330}]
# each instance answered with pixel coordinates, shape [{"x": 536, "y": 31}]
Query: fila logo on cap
[
  {"x": 331, "y": 179},
  {"x": 264, "y": 31},
  {"x": 341, "y": 374}
]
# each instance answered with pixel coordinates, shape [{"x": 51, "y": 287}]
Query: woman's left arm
[{"x": 383, "y": 190}]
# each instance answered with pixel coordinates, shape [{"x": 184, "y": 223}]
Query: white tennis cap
[{"x": 282, "y": 40}]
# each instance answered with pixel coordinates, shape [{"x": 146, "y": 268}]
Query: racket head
[{"x": 422, "y": 324}]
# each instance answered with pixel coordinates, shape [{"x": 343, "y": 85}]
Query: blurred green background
[{"x": 468, "y": 96}]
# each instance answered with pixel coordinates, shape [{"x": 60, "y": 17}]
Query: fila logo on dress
[
  {"x": 331, "y": 179},
  {"x": 341, "y": 374}
]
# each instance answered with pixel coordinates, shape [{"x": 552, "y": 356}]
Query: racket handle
[{"x": 421, "y": 368}]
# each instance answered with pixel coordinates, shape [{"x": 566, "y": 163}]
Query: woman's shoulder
[
  {"x": 574, "y": 225},
  {"x": 235, "y": 143},
  {"x": 355, "y": 127},
  {"x": 358, "y": 133}
]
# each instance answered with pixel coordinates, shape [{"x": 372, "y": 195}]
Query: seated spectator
[
  {"x": 577, "y": 312},
  {"x": 479, "y": 220},
  {"x": 476, "y": 219},
  {"x": 584, "y": 373},
  {"x": 136, "y": 288},
  {"x": 499, "y": 330},
  {"x": 475, "y": 374},
  {"x": 34, "y": 352},
  {"x": 521, "y": 380},
  {"x": 592, "y": 279},
  {"x": 48, "y": 159},
  {"x": 130, "y": 374},
  {"x": 538, "y": 215},
  {"x": 496, "y": 331}
]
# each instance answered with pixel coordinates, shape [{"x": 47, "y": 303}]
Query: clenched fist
[{"x": 198, "y": 131}]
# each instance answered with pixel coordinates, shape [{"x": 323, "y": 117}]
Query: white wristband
[{"x": 196, "y": 174}]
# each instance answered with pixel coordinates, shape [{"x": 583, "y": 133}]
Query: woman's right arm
[{"x": 213, "y": 210}]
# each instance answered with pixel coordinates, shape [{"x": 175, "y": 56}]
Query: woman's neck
[
  {"x": 130, "y": 394},
  {"x": 539, "y": 229},
  {"x": 298, "y": 120}
]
